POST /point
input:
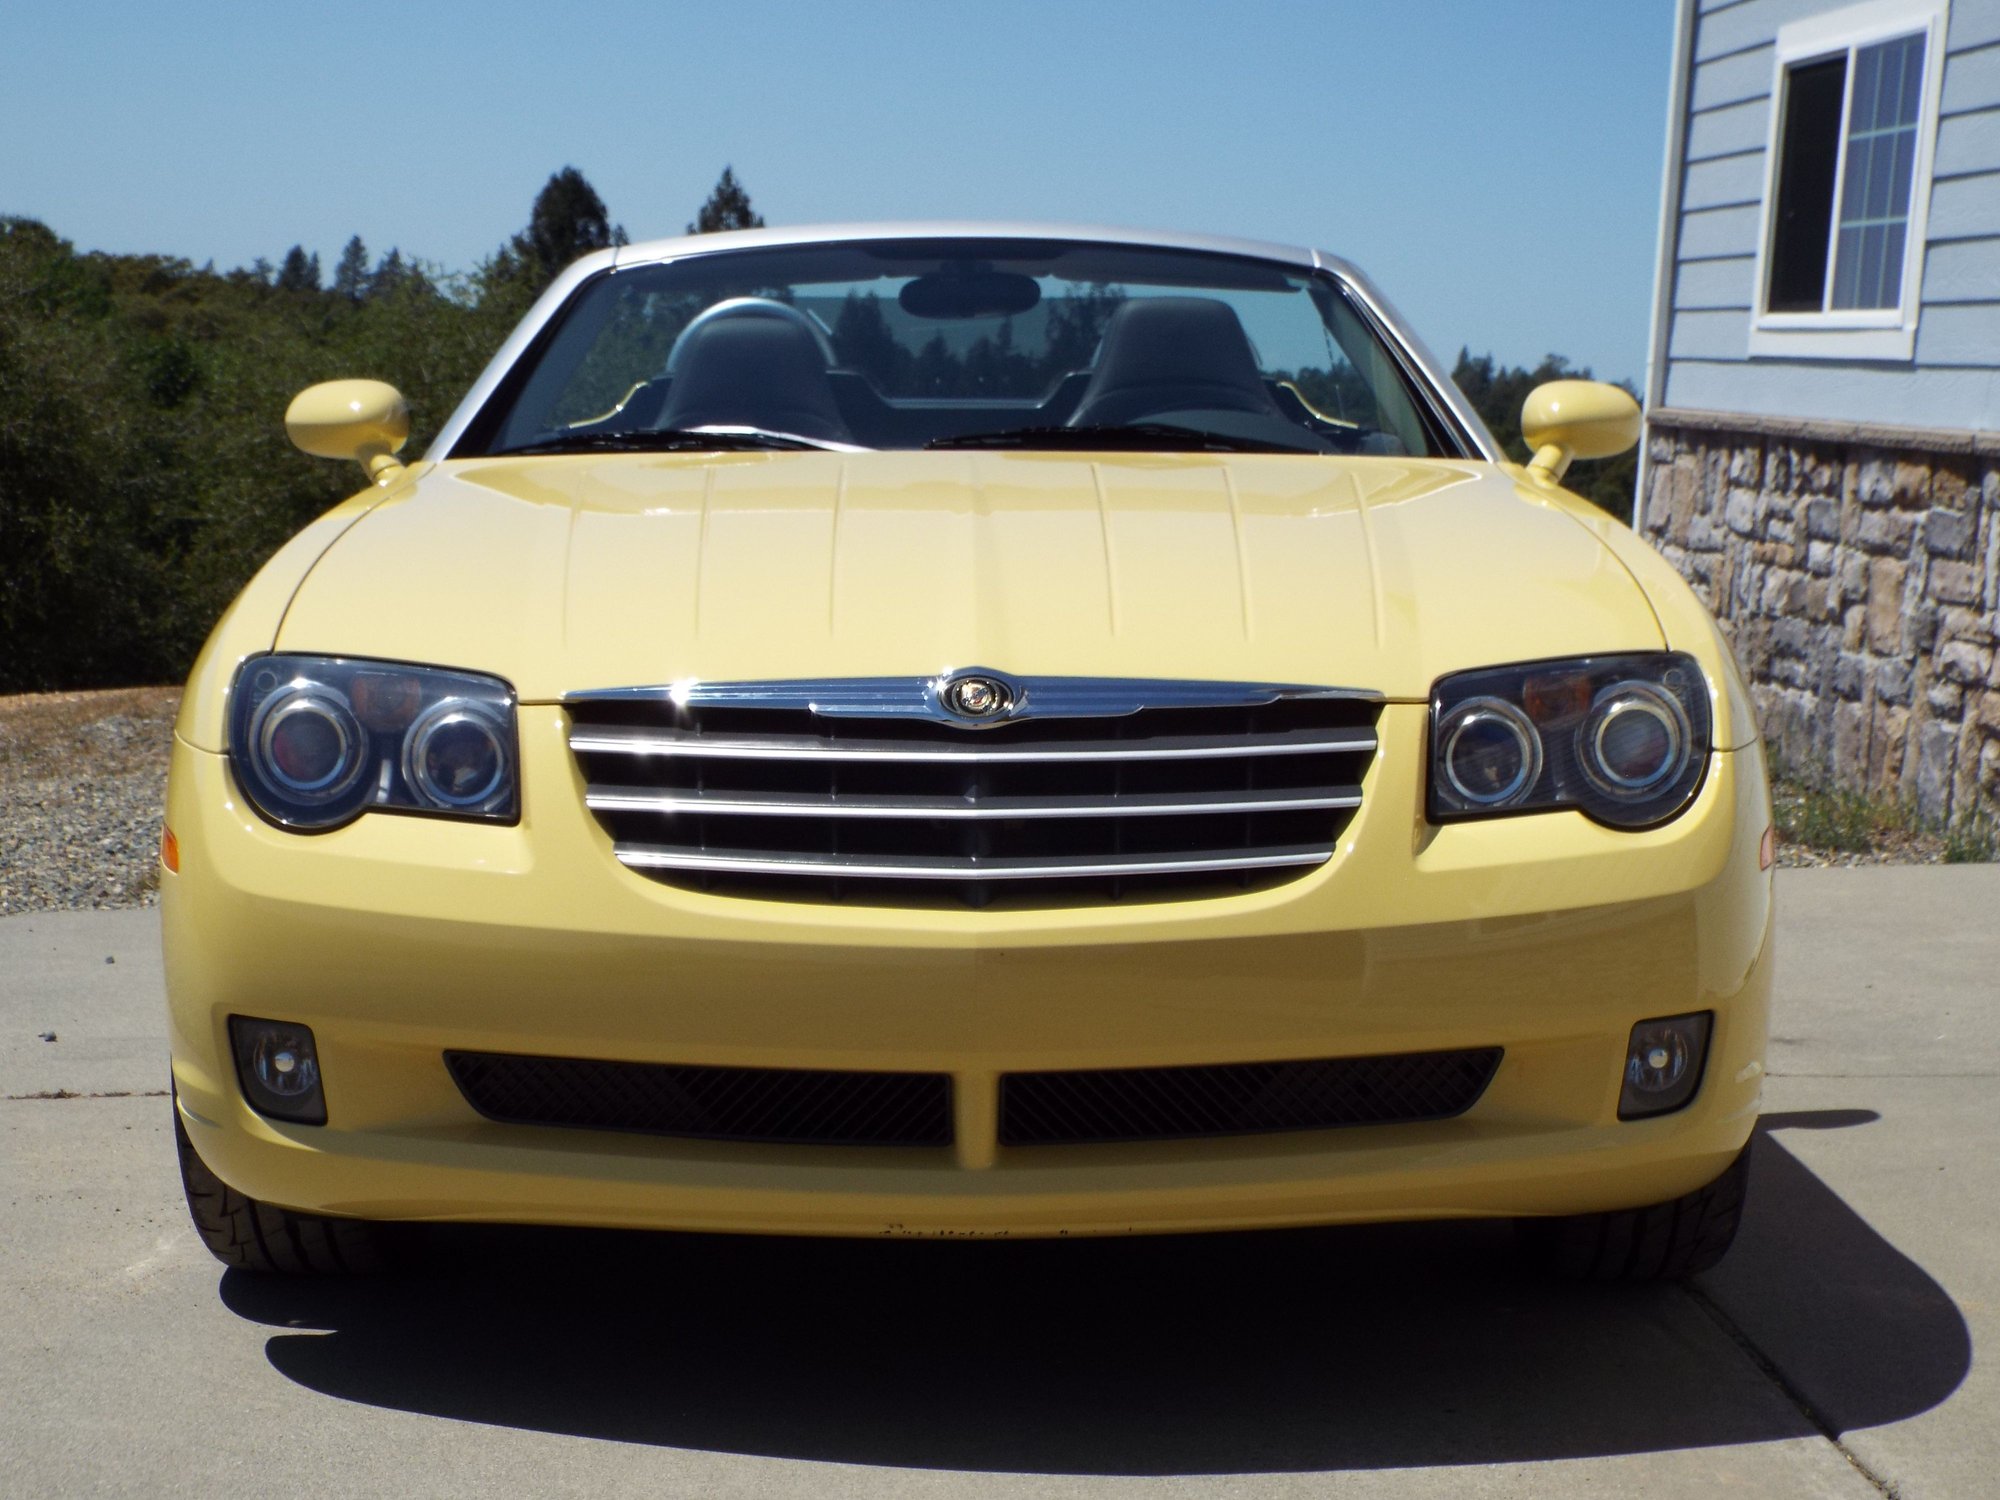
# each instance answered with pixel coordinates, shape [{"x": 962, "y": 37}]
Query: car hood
[{"x": 570, "y": 573}]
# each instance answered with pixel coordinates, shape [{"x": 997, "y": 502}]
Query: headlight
[
  {"x": 316, "y": 741},
  {"x": 1623, "y": 739}
]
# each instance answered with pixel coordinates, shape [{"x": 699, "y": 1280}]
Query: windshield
[{"x": 958, "y": 343}]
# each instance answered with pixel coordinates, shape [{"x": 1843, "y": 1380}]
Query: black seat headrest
[
  {"x": 1169, "y": 354},
  {"x": 754, "y": 372}
]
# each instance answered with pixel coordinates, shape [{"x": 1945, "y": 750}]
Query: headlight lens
[
  {"x": 455, "y": 755},
  {"x": 316, "y": 741},
  {"x": 1623, "y": 739},
  {"x": 1491, "y": 754}
]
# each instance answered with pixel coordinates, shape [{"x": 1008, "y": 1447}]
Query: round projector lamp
[
  {"x": 1491, "y": 753},
  {"x": 1663, "y": 1065}
]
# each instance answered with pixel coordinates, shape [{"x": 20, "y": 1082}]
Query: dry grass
[
  {"x": 113, "y": 732},
  {"x": 1831, "y": 826}
]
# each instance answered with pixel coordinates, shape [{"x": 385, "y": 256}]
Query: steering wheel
[{"x": 751, "y": 307}]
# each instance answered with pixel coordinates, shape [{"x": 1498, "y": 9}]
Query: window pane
[
  {"x": 1807, "y": 151},
  {"x": 1913, "y": 79},
  {"x": 1882, "y": 176},
  {"x": 1893, "y": 237},
  {"x": 1906, "y": 164},
  {"x": 1867, "y": 87},
  {"x": 1881, "y": 152},
  {"x": 1846, "y": 279}
]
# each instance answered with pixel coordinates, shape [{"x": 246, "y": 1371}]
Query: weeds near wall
[{"x": 1821, "y": 825}]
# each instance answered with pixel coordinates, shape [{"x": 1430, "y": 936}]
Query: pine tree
[
  {"x": 300, "y": 272},
  {"x": 568, "y": 220},
  {"x": 350, "y": 274},
  {"x": 728, "y": 207},
  {"x": 390, "y": 273}
]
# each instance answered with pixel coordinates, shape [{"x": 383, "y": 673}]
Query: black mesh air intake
[
  {"x": 797, "y": 1105},
  {"x": 1151, "y": 1104}
]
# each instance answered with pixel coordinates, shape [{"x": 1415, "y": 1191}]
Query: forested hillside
[{"x": 144, "y": 468}]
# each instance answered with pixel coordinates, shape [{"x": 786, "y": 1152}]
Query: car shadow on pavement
[{"x": 1297, "y": 1350}]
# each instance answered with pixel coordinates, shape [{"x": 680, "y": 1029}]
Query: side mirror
[
  {"x": 1568, "y": 419},
  {"x": 364, "y": 420}
]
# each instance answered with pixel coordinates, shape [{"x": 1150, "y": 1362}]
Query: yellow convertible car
[{"x": 957, "y": 730}]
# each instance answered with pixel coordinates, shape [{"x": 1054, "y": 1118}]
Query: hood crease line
[
  {"x": 1361, "y": 508},
  {"x": 1104, "y": 531},
  {"x": 1242, "y": 558},
  {"x": 833, "y": 550},
  {"x": 701, "y": 542}
]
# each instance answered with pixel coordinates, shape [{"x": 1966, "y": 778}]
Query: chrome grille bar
[
  {"x": 834, "y": 805},
  {"x": 891, "y": 790},
  {"x": 621, "y": 739},
  {"x": 907, "y": 867}
]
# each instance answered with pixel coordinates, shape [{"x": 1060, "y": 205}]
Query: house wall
[
  {"x": 1711, "y": 254},
  {"x": 1856, "y": 571},
  {"x": 1840, "y": 517}
]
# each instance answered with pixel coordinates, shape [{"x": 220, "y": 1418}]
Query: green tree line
[{"x": 144, "y": 468}]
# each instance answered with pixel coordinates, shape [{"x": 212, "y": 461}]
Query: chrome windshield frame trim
[
  {"x": 926, "y": 697},
  {"x": 727, "y": 862}
]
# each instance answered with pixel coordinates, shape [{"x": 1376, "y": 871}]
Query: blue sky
[{"x": 1494, "y": 164}]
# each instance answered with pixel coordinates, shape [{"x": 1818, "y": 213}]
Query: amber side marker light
[
  {"x": 170, "y": 851},
  {"x": 1767, "y": 851}
]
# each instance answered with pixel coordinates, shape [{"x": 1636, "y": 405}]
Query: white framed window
[{"x": 1854, "y": 107}]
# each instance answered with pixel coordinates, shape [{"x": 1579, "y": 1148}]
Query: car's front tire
[
  {"x": 247, "y": 1235},
  {"x": 1661, "y": 1242}
]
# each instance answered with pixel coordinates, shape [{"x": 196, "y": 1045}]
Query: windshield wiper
[
  {"x": 677, "y": 440},
  {"x": 1152, "y": 437}
]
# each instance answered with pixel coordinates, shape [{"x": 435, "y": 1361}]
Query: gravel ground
[{"x": 83, "y": 777}]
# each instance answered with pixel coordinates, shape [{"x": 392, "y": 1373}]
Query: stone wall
[{"x": 1856, "y": 570}]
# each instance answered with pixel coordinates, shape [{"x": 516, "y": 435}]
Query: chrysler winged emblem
[{"x": 976, "y": 696}]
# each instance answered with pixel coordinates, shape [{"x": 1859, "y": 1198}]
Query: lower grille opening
[
  {"x": 1154, "y": 1104},
  {"x": 796, "y": 1106}
]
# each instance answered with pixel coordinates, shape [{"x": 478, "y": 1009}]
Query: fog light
[
  {"x": 278, "y": 1068},
  {"x": 1663, "y": 1065}
]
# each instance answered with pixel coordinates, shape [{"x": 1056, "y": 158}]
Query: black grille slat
[
  {"x": 789, "y": 802},
  {"x": 1139, "y": 1104},
  {"x": 799, "y": 1106}
]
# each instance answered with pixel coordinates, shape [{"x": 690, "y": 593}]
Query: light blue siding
[
  {"x": 1732, "y": 129},
  {"x": 1960, "y": 333},
  {"x": 1724, "y": 182},
  {"x": 1968, "y": 143},
  {"x": 1971, "y": 81},
  {"x": 1733, "y": 79},
  {"x": 1965, "y": 206},
  {"x": 1708, "y": 335},
  {"x": 1720, "y": 231},
  {"x": 1708, "y": 284},
  {"x": 1894, "y": 395},
  {"x": 1975, "y": 25},
  {"x": 1953, "y": 381},
  {"x": 1754, "y": 23},
  {"x": 1962, "y": 270}
]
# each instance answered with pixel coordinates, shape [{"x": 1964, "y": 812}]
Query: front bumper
[{"x": 398, "y": 938}]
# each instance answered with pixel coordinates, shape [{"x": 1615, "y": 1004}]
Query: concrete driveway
[{"x": 1831, "y": 1354}]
